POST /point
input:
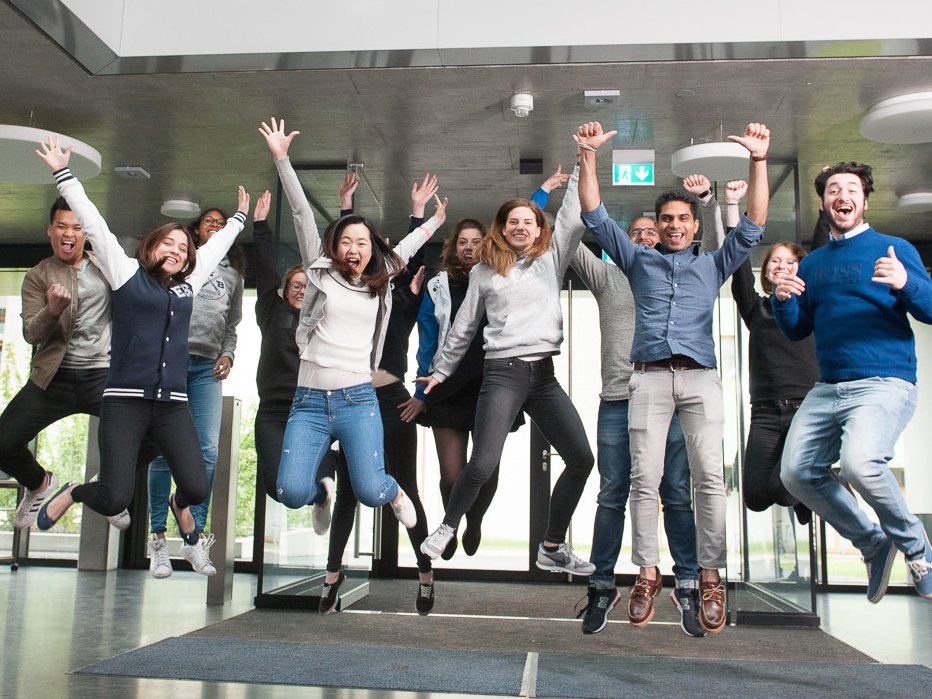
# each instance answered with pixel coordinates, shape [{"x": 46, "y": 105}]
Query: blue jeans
[
  {"x": 205, "y": 401},
  {"x": 856, "y": 423},
  {"x": 318, "y": 417},
  {"x": 614, "y": 459}
]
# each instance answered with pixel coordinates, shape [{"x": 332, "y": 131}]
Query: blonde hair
[{"x": 494, "y": 249}]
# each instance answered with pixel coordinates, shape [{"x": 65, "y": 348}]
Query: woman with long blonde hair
[{"x": 516, "y": 284}]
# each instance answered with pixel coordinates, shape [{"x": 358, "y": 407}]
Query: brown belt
[{"x": 677, "y": 363}]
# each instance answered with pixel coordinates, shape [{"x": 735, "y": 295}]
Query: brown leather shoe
[
  {"x": 712, "y": 614},
  {"x": 641, "y": 602}
]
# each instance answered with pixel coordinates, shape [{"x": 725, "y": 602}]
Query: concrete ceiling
[{"x": 196, "y": 132}]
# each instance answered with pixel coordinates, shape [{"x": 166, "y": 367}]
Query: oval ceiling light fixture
[
  {"x": 719, "y": 161},
  {"x": 915, "y": 203},
  {"x": 180, "y": 208},
  {"x": 20, "y": 164},
  {"x": 903, "y": 119}
]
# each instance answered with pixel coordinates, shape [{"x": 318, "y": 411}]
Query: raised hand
[
  {"x": 53, "y": 155},
  {"x": 697, "y": 184},
  {"x": 440, "y": 215},
  {"x": 417, "y": 280},
  {"x": 263, "y": 204},
  {"x": 735, "y": 191},
  {"x": 591, "y": 134},
  {"x": 756, "y": 139},
  {"x": 242, "y": 201},
  {"x": 411, "y": 408},
  {"x": 789, "y": 285},
  {"x": 347, "y": 187},
  {"x": 276, "y": 139},
  {"x": 57, "y": 298},
  {"x": 890, "y": 271},
  {"x": 555, "y": 181},
  {"x": 423, "y": 194}
]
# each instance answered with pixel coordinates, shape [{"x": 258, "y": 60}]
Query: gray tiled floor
[{"x": 55, "y": 621}]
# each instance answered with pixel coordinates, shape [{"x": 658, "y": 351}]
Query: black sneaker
[
  {"x": 450, "y": 548},
  {"x": 329, "y": 596},
  {"x": 686, "y": 600},
  {"x": 601, "y": 602},
  {"x": 425, "y": 598}
]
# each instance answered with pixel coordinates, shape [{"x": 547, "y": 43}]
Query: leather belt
[
  {"x": 678, "y": 362},
  {"x": 778, "y": 403}
]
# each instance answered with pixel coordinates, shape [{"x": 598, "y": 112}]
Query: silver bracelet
[{"x": 585, "y": 146}]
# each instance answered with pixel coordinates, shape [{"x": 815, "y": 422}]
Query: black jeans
[
  {"x": 270, "y": 433},
  {"x": 125, "y": 424},
  {"x": 510, "y": 385},
  {"x": 70, "y": 392},
  {"x": 400, "y": 442},
  {"x": 770, "y": 421}
]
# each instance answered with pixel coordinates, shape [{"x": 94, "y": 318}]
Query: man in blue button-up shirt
[{"x": 675, "y": 288}]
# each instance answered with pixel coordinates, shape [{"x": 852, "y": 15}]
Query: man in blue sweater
[{"x": 854, "y": 294}]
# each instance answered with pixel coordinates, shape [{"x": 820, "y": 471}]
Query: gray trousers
[{"x": 696, "y": 394}]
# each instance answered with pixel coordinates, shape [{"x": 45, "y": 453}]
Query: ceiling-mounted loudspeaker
[
  {"x": 20, "y": 164},
  {"x": 901, "y": 120},
  {"x": 719, "y": 161},
  {"x": 180, "y": 208}
]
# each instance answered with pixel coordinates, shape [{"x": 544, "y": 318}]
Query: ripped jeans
[{"x": 320, "y": 416}]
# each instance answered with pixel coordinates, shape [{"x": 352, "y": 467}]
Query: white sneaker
[
  {"x": 159, "y": 565},
  {"x": 120, "y": 521},
  {"x": 434, "y": 544},
  {"x": 196, "y": 555},
  {"x": 321, "y": 516},
  {"x": 404, "y": 509},
  {"x": 28, "y": 508}
]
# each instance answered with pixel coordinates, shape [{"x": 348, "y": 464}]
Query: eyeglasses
[
  {"x": 210, "y": 221},
  {"x": 297, "y": 286},
  {"x": 641, "y": 231}
]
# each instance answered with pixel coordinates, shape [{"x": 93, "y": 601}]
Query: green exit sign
[{"x": 633, "y": 174}]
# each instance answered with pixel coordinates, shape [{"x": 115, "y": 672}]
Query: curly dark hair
[
  {"x": 864, "y": 172},
  {"x": 235, "y": 254}
]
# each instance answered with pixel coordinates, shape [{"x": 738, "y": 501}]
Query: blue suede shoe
[
  {"x": 878, "y": 571},
  {"x": 43, "y": 521}
]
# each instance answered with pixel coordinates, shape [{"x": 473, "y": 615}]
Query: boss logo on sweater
[
  {"x": 215, "y": 288},
  {"x": 842, "y": 275}
]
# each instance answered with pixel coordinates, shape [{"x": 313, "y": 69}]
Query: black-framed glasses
[{"x": 210, "y": 221}]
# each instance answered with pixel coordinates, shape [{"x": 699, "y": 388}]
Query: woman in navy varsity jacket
[{"x": 146, "y": 394}]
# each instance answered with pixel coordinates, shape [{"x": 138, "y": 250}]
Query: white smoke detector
[{"x": 522, "y": 103}]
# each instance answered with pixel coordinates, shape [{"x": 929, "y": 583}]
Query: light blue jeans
[
  {"x": 614, "y": 459},
  {"x": 205, "y": 401},
  {"x": 318, "y": 417},
  {"x": 856, "y": 423}
]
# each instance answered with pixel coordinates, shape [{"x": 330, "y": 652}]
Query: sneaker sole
[
  {"x": 561, "y": 569},
  {"x": 887, "y": 567},
  {"x": 605, "y": 619}
]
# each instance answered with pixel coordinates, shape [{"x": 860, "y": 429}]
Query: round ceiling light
[
  {"x": 903, "y": 119},
  {"x": 180, "y": 208},
  {"x": 20, "y": 164},
  {"x": 917, "y": 202},
  {"x": 719, "y": 161}
]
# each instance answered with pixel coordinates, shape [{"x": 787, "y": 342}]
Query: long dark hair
[
  {"x": 154, "y": 267},
  {"x": 235, "y": 254},
  {"x": 450, "y": 263},
  {"x": 383, "y": 264}
]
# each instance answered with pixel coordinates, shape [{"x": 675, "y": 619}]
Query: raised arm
[
  {"x": 116, "y": 266},
  {"x": 305, "y": 227},
  {"x": 412, "y": 242},
  {"x": 592, "y": 270},
  {"x": 568, "y": 228},
  {"x": 555, "y": 181},
  {"x": 734, "y": 193},
  {"x": 713, "y": 232},
  {"x": 756, "y": 139},
  {"x": 347, "y": 188},
  {"x": 211, "y": 252}
]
